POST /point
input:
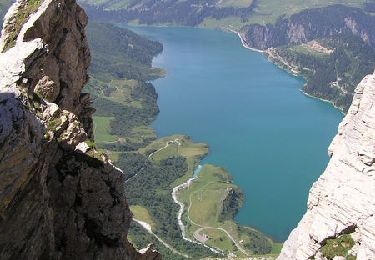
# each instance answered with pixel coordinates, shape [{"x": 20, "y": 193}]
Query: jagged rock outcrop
[
  {"x": 309, "y": 25},
  {"x": 59, "y": 197},
  {"x": 342, "y": 201}
]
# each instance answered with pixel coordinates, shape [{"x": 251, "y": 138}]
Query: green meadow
[{"x": 207, "y": 215}]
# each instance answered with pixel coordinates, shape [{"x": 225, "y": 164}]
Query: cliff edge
[
  {"x": 341, "y": 205},
  {"x": 59, "y": 197}
]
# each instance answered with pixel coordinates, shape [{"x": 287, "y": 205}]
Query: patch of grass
[
  {"x": 217, "y": 238},
  {"x": 23, "y": 14},
  {"x": 339, "y": 246},
  {"x": 231, "y": 22},
  {"x": 205, "y": 195},
  {"x": 205, "y": 199},
  {"x": 276, "y": 248},
  {"x": 102, "y": 129},
  {"x": 141, "y": 213},
  {"x": 91, "y": 144},
  {"x": 302, "y": 49},
  {"x": 53, "y": 124},
  {"x": 178, "y": 145}
]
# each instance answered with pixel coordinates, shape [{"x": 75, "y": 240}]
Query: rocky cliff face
[
  {"x": 342, "y": 201},
  {"x": 59, "y": 197},
  {"x": 309, "y": 25}
]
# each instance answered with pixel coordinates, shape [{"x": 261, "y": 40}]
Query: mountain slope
[
  {"x": 333, "y": 48},
  {"x": 60, "y": 198},
  {"x": 340, "y": 217}
]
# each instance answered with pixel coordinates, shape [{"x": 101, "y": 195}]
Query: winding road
[
  {"x": 181, "y": 211},
  {"x": 149, "y": 230},
  {"x": 175, "y": 141}
]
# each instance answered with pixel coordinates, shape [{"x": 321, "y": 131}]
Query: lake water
[{"x": 258, "y": 124}]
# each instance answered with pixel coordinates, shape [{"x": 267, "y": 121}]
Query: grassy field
[
  {"x": 203, "y": 200},
  {"x": 219, "y": 239},
  {"x": 141, "y": 213},
  {"x": 207, "y": 193},
  {"x": 303, "y": 49},
  {"x": 231, "y": 22},
  {"x": 102, "y": 128}
]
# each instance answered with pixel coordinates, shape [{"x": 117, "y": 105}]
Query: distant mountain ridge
[{"x": 188, "y": 13}]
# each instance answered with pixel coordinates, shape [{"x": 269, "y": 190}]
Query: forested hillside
[
  {"x": 125, "y": 107},
  {"x": 333, "y": 48}
]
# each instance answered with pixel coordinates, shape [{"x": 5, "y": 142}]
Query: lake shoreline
[
  {"x": 168, "y": 128},
  {"x": 282, "y": 64}
]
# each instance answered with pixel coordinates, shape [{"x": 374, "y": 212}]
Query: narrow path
[
  {"x": 147, "y": 227},
  {"x": 175, "y": 141},
  {"x": 243, "y": 41}
]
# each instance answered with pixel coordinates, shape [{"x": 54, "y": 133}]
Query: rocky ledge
[
  {"x": 342, "y": 202},
  {"x": 59, "y": 197}
]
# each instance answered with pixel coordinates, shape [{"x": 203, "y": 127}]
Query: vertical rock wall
[
  {"x": 59, "y": 197},
  {"x": 342, "y": 201}
]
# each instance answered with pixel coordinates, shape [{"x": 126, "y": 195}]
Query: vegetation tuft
[
  {"x": 339, "y": 246},
  {"x": 30, "y": 7},
  {"x": 53, "y": 124}
]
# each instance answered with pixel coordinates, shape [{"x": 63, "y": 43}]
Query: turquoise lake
[{"x": 259, "y": 125}]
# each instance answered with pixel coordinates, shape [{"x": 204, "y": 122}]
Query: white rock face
[{"x": 343, "y": 199}]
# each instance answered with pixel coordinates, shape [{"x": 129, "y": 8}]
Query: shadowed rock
[{"x": 59, "y": 198}]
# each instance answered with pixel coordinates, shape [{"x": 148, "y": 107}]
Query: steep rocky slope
[
  {"x": 59, "y": 197},
  {"x": 342, "y": 201}
]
